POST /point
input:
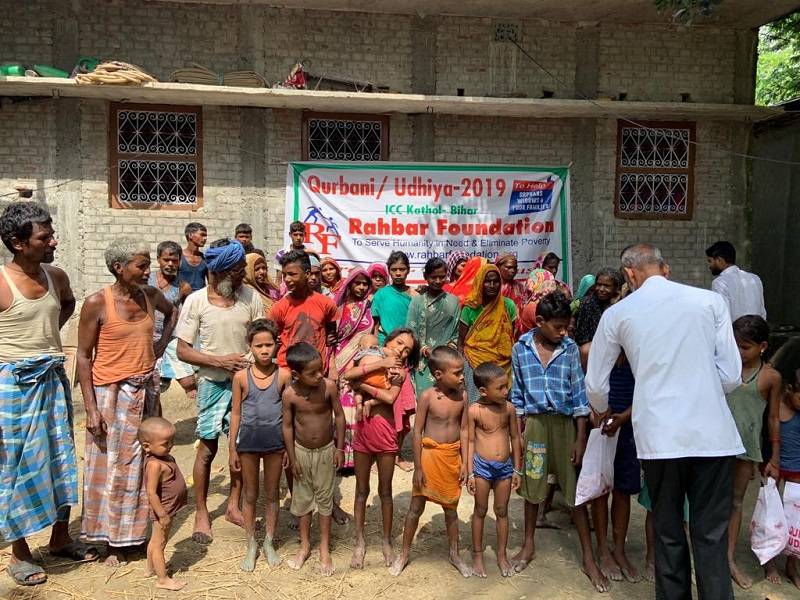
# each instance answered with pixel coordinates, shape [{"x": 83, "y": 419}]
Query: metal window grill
[
  {"x": 654, "y": 175},
  {"x": 355, "y": 139}
]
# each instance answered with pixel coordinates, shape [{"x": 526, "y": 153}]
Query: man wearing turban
[{"x": 211, "y": 334}]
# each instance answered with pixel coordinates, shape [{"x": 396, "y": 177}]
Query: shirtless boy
[
  {"x": 440, "y": 457},
  {"x": 310, "y": 403},
  {"x": 495, "y": 453}
]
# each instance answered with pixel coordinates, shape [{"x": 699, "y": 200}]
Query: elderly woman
[
  {"x": 256, "y": 275},
  {"x": 116, "y": 368}
]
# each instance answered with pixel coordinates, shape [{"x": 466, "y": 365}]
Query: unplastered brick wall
[
  {"x": 718, "y": 212},
  {"x": 469, "y": 58},
  {"x": 661, "y": 63}
]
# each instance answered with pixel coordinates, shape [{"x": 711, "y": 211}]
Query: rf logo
[{"x": 321, "y": 230}]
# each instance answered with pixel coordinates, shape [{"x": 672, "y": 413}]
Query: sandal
[
  {"x": 21, "y": 572},
  {"x": 77, "y": 551}
]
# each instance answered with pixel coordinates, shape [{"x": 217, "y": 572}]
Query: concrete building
[{"x": 518, "y": 82}]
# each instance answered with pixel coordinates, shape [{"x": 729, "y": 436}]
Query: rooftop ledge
[{"x": 353, "y": 102}]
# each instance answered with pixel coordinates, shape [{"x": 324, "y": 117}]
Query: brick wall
[{"x": 246, "y": 150}]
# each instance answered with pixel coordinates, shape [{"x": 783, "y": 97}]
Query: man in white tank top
[{"x": 37, "y": 487}]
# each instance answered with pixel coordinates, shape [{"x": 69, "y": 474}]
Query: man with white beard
[{"x": 211, "y": 334}]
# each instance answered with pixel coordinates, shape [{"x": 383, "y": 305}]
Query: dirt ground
[{"x": 213, "y": 572}]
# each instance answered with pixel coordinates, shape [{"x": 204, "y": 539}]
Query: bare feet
[
  {"x": 202, "y": 529},
  {"x": 148, "y": 571},
  {"x": 294, "y": 523},
  {"x": 629, "y": 572},
  {"x": 234, "y": 515},
  {"x": 771, "y": 573},
  {"x": 478, "y": 569},
  {"x": 115, "y": 558},
  {"x": 460, "y": 565},
  {"x": 591, "y": 571},
  {"x": 521, "y": 560},
  {"x": 357, "y": 562},
  {"x": 388, "y": 553},
  {"x": 505, "y": 566},
  {"x": 608, "y": 566},
  {"x": 339, "y": 516},
  {"x": 792, "y": 572},
  {"x": 248, "y": 563},
  {"x": 404, "y": 465},
  {"x": 399, "y": 564},
  {"x": 268, "y": 548},
  {"x": 741, "y": 579},
  {"x": 542, "y": 522},
  {"x": 168, "y": 583},
  {"x": 649, "y": 572},
  {"x": 299, "y": 559},
  {"x": 326, "y": 567}
]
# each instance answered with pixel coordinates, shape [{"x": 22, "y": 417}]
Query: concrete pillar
[
  {"x": 252, "y": 26},
  {"x": 584, "y": 148},
  {"x": 744, "y": 73},
  {"x": 423, "y": 81},
  {"x": 253, "y": 138}
]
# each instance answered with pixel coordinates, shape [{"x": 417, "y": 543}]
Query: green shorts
[{"x": 547, "y": 446}]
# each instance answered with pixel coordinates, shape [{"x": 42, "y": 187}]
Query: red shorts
[{"x": 375, "y": 435}]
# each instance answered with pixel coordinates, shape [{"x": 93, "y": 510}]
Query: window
[
  {"x": 655, "y": 164},
  {"x": 155, "y": 156},
  {"x": 345, "y": 137}
]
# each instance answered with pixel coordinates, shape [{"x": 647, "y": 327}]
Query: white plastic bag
[
  {"x": 597, "y": 471},
  {"x": 768, "y": 530},
  {"x": 791, "y": 507}
]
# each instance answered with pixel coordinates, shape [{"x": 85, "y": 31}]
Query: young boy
[
  {"x": 166, "y": 492},
  {"x": 244, "y": 235},
  {"x": 440, "y": 458},
  {"x": 256, "y": 436},
  {"x": 302, "y": 315},
  {"x": 496, "y": 464},
  {"x": 297, "y": 235},
  {"x": 550, "y": 400},
  {"x": 308, "y": 405}
]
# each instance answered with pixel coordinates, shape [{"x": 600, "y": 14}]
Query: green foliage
[
  {"x": 778, "y": 72},
  {"x": 685, "y": 11}
]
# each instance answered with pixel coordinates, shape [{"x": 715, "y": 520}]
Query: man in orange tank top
[
  {"x": 38, "y": 472},
  {"x": 116, "y": 368}
]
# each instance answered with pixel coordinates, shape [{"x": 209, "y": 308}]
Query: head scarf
[
  {"x": 343, "y": 294},
  {"x": 504, "y": 257},
  {"x": 462, "y": 286},
  {"x": 540, "y": 282},
  {"x": 514, "y": 289},
  {"x": 587, "y": 281},
  {"x": 474, "y": 298},
  {"x": 336, "y": 285},
  {"x": 224, "y": 258},
  {"x": 453, "y": 260},
  {"x": 268, "y": 292},
  {"x": 380, "y": 269},
  {"x": 313, "y": 261}
]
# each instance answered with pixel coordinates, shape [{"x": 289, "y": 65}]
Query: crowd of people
[{"x": 316, "y": 374}]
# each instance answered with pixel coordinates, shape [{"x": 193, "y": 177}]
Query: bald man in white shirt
[{"x": 679, "y": 342}]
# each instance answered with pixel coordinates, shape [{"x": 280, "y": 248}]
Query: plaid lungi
[
  {"x": 115, "y": 506},
  {"x": 38, "y": 472},
  {"x": 213, "y": 408},
  {"x": 170, "y": 366}
]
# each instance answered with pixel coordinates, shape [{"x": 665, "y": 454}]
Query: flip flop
[
  {"x": 20, "y": 572},
  {"x": 77, "y": 551}
]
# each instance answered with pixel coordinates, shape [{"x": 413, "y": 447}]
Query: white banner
[{"x": 358, "y": 213}]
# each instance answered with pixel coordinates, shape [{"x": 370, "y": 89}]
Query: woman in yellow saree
[{"x": 486, "y": 327}]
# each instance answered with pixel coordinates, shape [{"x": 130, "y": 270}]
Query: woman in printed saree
[
  {"x": 116, "y": 368},
  {"x": 331, "y": 275},
  {"x": 486, "y": 329},
  {"x": 433, "y": 317},
  {"x": 540, "y": 283},
  {"x": 256, "y": 275},
  {"x": 390, "y": 303},
  {"x": 353, "y": 322}
]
